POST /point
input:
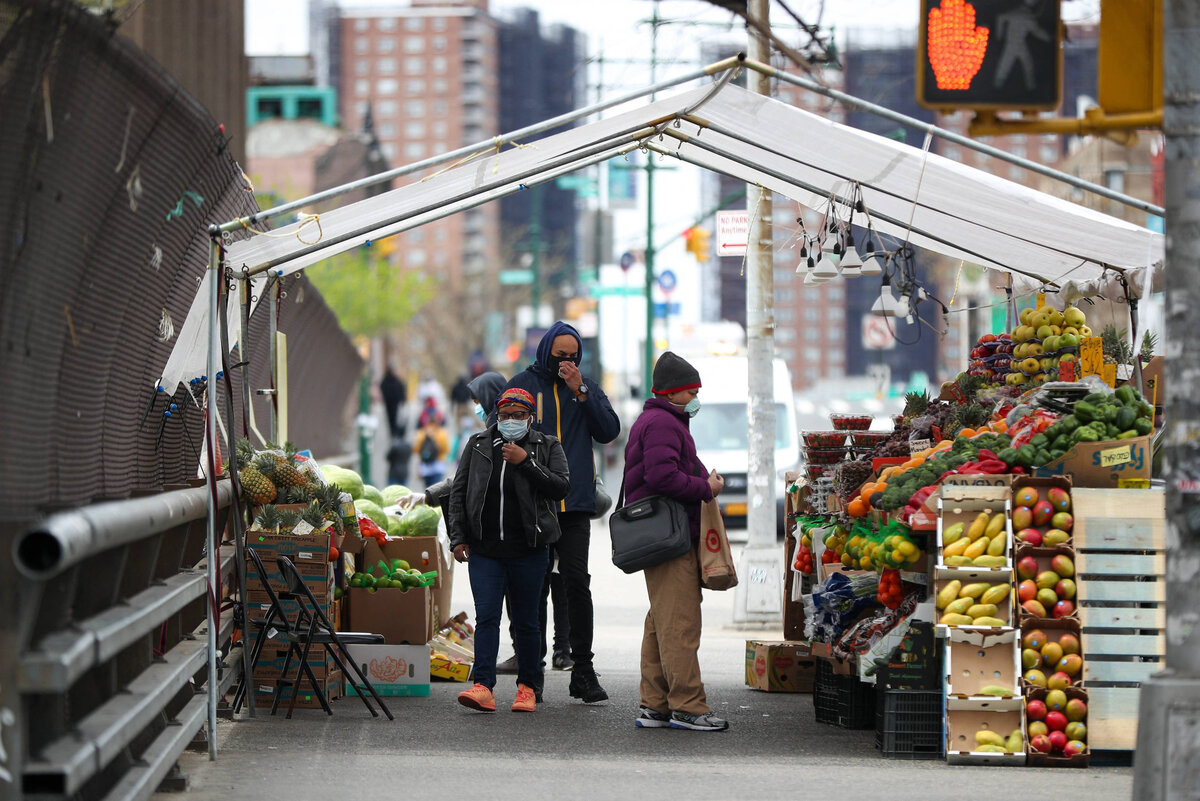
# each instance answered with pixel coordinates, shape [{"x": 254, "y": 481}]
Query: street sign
[
  {"x": 733, "y": 232},
  {"x": 877, "y": 333},
  {"x": 510, "y": 277},
  {"x": 663, "y": 309},
  {"x": 667, "y": 281},
  {"x": 620, "y": 291},
  {"x": 627, "y": 260},
  {"x": 583, "y": 185}
]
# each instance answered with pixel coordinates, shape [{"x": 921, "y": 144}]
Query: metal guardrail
[{"x": 109, "y": 681}]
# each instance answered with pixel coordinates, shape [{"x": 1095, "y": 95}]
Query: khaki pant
[{"x": 671, "y": 640}]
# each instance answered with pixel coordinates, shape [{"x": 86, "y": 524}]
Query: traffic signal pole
[{"x": 1167, "y": 761}]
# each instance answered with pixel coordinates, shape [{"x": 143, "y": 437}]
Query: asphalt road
[{"x": 773, "y": 749}]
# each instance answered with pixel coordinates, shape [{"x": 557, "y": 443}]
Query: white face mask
[
  {"x": 513, "y": 430},
  {"x": 481, "y": 414},
  {"x": 691, "y": 408}
]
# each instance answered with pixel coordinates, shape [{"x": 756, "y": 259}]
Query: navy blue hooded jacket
[{"x": 575, "y": 424}]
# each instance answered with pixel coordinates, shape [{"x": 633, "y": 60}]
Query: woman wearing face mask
[
  {"x": 660, "y": 459},
  {"x": 501, "y": 518}
]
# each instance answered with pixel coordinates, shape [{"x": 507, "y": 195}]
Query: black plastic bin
[
  {"x": 842, "y": 700},
  {"x": 909, "y": 724}
]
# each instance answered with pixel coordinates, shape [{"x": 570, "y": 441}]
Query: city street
[{"x": 774, "y": 747}]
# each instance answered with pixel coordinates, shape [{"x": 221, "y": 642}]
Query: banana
[
  {"x": 989, "y": 561},
  {"x": 974, "y": 590},
  {"x": 977, "y": 611},
  {"x": 952, "y": 533},
  {"x": 978, "y": 527},
  {"x": 948, "y": 593},
  {"x": 995, "y": 594},
  {"x": 976, "y": 548},
  {"x": 998, "y": 543},
  {"x": 952, "y": 619},
  {"x": 988, "y": 737},
  {"x": 988, "y": 621},
  {"x": 996, "y": 525},
  {"x": 957, "y": 547},
  {"x": 960, "y": 606},
  {"x": 959, "y": 561}
]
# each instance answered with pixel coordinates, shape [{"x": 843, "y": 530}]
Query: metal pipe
[
  {"x": 210, "y": 417},
  {"x": 541, "y": 127},
  {"x": 67, "y": 538},
  {"x": 951, "y": 136}
]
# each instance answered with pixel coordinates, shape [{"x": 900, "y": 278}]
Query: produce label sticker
[
  {"x": 302, "y": 529},
  {"x": 1133, "y": 483},
  {"x": 1115, "y": 456},
  {"x": 1091, "y": 356}
]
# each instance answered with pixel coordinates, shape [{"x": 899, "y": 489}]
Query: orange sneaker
[
  {"x": 478, "y": 697},
  {"x": 526, "y": 699}
]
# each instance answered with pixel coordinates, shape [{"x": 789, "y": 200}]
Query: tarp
[{"x": 918, "y": 196}]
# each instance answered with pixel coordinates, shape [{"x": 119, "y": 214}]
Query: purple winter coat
[{"x": 660, "y": 459}]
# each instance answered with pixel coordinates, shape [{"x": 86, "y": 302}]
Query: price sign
[
  {"x": 1109, "y": 374},
  {"x": 1066, "y": 371},
  {"x": 1115, "y": 456},
  {"x": 1091, "y": 356}
]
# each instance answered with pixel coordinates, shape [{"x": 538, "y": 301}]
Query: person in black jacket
[
  {"x": 575, "y": 409},
  {"x": 502, "y": 518}
]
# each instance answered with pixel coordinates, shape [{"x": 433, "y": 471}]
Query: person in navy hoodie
[
  {"x": 574, "y": 409},
  {"x": 660, "y": 459}
]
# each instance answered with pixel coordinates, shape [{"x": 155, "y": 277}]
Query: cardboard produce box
[
  {"x": 424, "y": 554},
  {"x": 779, "y": 666},
  {"x": 394, "y": 670},
  {"x": 976, "y": 659},
  {"x": 973, "y": 575},
  {"x": 1115, "y": 463},
  {"x": 963, "y": 503},
  {"x": 306, "y": 699},
  {"x": 964, "y": 718},
  {"x": 401, "y": 617}
]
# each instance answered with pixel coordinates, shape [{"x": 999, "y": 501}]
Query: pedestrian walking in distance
[
  {"x": 660, "y": 459},
  {"x": 502, "y": 520},
  {"x": 574, "y": 409}
]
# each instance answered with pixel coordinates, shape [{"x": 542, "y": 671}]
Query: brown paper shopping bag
[{"x": 716, "y": 561}]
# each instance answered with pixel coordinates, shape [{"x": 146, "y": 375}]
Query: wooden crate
[{"x": 1121, "y": 565}]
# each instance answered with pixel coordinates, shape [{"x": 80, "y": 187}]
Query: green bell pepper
[{"x": 1086, "y": 434}]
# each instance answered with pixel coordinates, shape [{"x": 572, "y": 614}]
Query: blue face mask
[
  {"x": 692, "y": 407},
  {"x": 481, "y": 414},
  {"x": 513, "y": 430}
]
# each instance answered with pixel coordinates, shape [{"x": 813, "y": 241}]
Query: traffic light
[
  {"x": 697, "y": 241},
  {"x": 989, "y": 54}
]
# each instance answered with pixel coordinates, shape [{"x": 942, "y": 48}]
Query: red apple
[
  {"x": 1057, "y": 721},
  {"x": 1041, "y": 743},
  {"x": 1035, "y": 710},
  {"x": 1058, "y": 740},
  {"x": 1031, "y": 536},
  {"x": 1063, "y": 608}
]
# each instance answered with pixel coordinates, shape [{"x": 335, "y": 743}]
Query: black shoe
[
  {"x": 585, "y": 685},
  {"x": 508, "y": 665},
  {"x": 562, "y": 660}
]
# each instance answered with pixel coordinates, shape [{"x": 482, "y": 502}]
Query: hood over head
[
  {"x": 542, "y": 357},
  {"x": 486, "y": 388}
]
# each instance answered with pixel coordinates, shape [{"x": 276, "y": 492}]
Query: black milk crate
[
  {"x": 842, "y": 700},
  {"x": 909, "y": 724}
]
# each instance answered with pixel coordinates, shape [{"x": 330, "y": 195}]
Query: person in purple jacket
[{"x": 660, "y": 459}]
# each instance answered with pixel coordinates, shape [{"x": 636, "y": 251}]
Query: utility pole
[
  {"x": 648, "y": 350},
  {"x": 1167, "y": 767},
  {"x": 759, "y": 595}
]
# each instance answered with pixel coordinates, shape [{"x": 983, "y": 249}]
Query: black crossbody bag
[{"x": 648, "y": 532}]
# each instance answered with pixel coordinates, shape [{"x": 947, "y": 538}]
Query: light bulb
[
  {"x": 851, "y": 263},
  {"x": 871, "y": 265},
  {"x": 825, "y": 269}
]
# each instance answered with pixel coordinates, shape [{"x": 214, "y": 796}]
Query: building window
[
  {"x": 835, "y": 293},
  {"x": 1115, "y": 180},
  {"x": 362, "y": 66},
  {"x": 414, "y": 86},
  {"x": 387, "y": 108},
  {"x": 414, "y": 130},
  {"x": 438, "y": 23},
  {"x": 416, "y": 235},
  {"x": 386, "y": 66},
  {"x": 439, "y": 43},
  {"x": 386, "y": 86},
  {"x": 439, "y": 107},
  {"x": 834, "y": 334},
  {"x": 414, "y": 108},
  {"x": 414, "y": 44},
  {"x": 785, "y": 335},
  {"x": 1015, "y": 173},
  {"x": 439, "y": 64},
  {"x": 1018, "y": 150},
  {"x": 386, "y": 24},
  {"x": 439, "y": 128},
  {"x": 439, "y": 86},
  {"x": 812, "y": 376},
  {"x": 361, "y": 25},
  {"x": 385, "y": 44},
  {"x": 439, "y": 146},
  {"x": 414, "y": 65},
  {"x": 387, "y": 131},
  {"x": 812, "y": 314},
  {"x": 269, "y": 107},
  {"x": 441, "y": 233},
  {"x": 785, "y": 295},
  {"x": 414, "y": 24},
  {"x": 389, "y": 151},
  {"x": 310, "y": 108},
  {"x": 785, "y": 316},
  {"x": 835, "y": 314},
  {"x": 362, "y": 45},
  {"x": 362, "y": 87},
  {"x": 1049, "y": 153}
]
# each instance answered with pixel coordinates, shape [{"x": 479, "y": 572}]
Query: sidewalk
[{"x": 435, "y": 748}]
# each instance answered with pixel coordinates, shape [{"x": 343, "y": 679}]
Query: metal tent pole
[{"x": 214, "y": 550}]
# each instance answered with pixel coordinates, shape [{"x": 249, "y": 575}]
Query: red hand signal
[{"x": 955, "y": 44}]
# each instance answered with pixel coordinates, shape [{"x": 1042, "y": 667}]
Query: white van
[{"x": 721, "y": 430}]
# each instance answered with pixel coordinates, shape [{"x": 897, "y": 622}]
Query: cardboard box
[
  {"x": 963, "y": 503},
  {"x": 448, "y": 667},
  {"x": 1114, "y": 463},
  {"x": 984, "y": 480},
  {"x": 394, "y": 670},
  {"x": 307, "y": 699},
  {"x": 915, "y": 663},
  {"x": 972, "y": 575},
  {"x": 424, "y": 554},
  {"x": 977, "y": 658},
  {"x": 1043, "y": 558},
  {"x": 823, "y": 650},
  {"x": 272, "y": 658},
  {"x": 1042, "y": 486},
  {"x": 401, "y": 617},
  {"x": 964, "y": 718},
  {"x": 1054, "y": 631},
  {"x": 779, "y": 666},
  {"x": 1040, "y": 760}
]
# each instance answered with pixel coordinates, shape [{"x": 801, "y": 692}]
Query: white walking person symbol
[{"x": 1015, "y": 28}]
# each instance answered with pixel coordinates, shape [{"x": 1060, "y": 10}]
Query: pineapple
[
  {"x": 301, "y": 494},
  {"x": 313, "y": 515},
  {"x": 1117, "y": 349},
  {"x": 915, "y": 404},
  {"x": 268, "y": 519},
  {"x": 330, "y": 500},
  {"x": 288, "y": 519},
  {"x": 1149, "y": 343},
  {"x": 256, "y": 486}
]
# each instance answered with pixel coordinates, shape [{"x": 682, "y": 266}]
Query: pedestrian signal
[
  {"x": 698, "y": 243},
  {"x": 989, "y": 54}
]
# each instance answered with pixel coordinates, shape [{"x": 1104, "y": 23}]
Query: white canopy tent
[{"x": 910, "y": 193}]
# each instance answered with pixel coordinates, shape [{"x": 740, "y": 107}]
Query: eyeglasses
[{"x": 512, "y": 416}]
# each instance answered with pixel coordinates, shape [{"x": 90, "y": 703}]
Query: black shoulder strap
[{"x": 621, "y": 494}]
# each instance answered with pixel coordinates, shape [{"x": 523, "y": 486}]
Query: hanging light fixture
[
  {"x": 851, "y": 262},
  {"x": 886, "y": 304},
  {"x": 811, "y": 279}
]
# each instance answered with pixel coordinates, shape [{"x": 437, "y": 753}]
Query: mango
[
  {"x": 952, "y": 619},
  {"x": 948, "y": 593},
  {"x": 988, "y": 737},
  {"x": 978, "y": 527},
  {"x": 995, "y": 594},
  {"x": 976, "y": 548},
  {"x": 989, "y": 561},
  {"x": 959, "y": 606},
  {"x": 988, "y": 621},
  {"x": 996, "y": 690},
  {"x": 990, "y": 749},
  {"x": 996, "y": 525},
  {"x": 952, "y": 533},
  {"x": 960, "y": 561},
  {"x": 956, "y": 548},
  {"x": 1015, "y": 743},
  {"x": 981, "y": 610},
  {"x": 997, "y": 544},
  {"x": 973, "y": 590}
]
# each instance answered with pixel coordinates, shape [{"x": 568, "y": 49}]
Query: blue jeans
[{"x": 522, "y": 577}]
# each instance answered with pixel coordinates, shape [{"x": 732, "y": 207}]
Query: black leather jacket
[{"x": 543, "y": 480}]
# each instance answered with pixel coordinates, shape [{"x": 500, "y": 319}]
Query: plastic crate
[
  {"x": 909, "y": 724},
  {"x": 842, "y": 700},
  {"x": 825, "y": 693}
]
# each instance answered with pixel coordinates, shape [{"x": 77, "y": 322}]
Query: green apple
[{"x": 1074, "y": 317}]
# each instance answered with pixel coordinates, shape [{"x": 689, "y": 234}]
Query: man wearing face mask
[
  {"x": 501, "y": 518},
  {"x": 573, "y": 408},
  {"x": 660, "y": 459}
]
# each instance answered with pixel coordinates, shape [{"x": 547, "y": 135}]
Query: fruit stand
[{"x": 986, "y": 578}]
